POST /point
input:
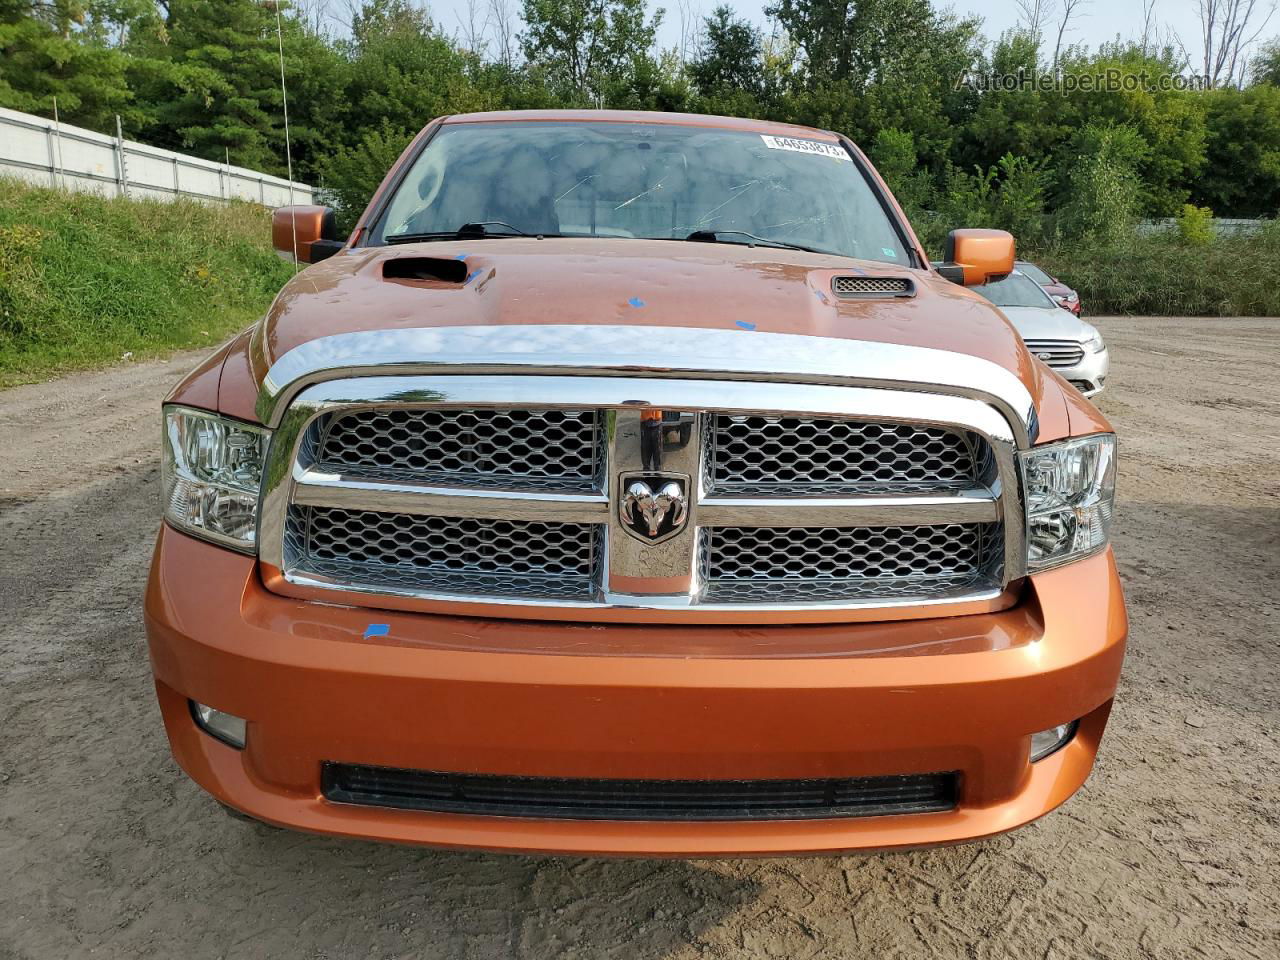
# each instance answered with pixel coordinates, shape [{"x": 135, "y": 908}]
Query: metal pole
[
  {"x": 57, "y": 136},
  {"x": 53, "y": 163},
  {"x": 122, "y": 170}
]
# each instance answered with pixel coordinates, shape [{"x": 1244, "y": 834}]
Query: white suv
[{"x": 1066, "y": 343}]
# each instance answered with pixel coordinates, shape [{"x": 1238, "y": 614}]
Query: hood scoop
[
  {"x": 425, "y": 271},
  {"x": 868, "y": 288}
]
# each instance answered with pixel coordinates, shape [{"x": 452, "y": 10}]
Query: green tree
[
  {"x": 585, "y": 48},
  {"x": 1025, "y": 121},
  {"x": 1242, "y": 175},
  {"x": 218, "y": 91},
  {"x": 47, "y": 55},
  {"x": 1265, "y": 66},
  {"x": 879, "y": 63},
  {"x": 894, "y": 154},
  {"x": 730, "y": 55},
  {"x": 1171, "y": 123},
  {"x": 403, "y": 72}
]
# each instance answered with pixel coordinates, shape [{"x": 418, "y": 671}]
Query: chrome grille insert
[
  {"x": 855, "y": 287},
  {"x": 466, "y": 556},
  {"x": 516, "y": 447},
  {"x": 753, "y": 454},
  {"x": 825, "y": 564},
  {"x": 1056, "y": 353}
]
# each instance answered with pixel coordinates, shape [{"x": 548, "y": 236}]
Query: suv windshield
[
  {"x": 1015, "y": 290},
  {"x": 1035, "y": 273},
  {"x": 630, "y": 180}
]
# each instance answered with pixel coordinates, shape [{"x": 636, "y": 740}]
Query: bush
[
  {"x": 1102, "y": 189},
  {"x": 1195, "y": 225},
  {"x": 1161, "y": 276},
  {"x": 85, "y": 279}
]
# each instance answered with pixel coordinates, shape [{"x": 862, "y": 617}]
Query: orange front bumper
[{"x": 620, "y": 701}]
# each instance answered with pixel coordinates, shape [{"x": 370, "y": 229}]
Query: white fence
[
  {"x": 56, "y": 155},
  {"x": 1222, "y": 226}
]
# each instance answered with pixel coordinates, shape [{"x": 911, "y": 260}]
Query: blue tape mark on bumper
[
  {"x": 744, "y": 325},
  {"x": 377, "y": 630},
  {"x": 636, "y": 302}
]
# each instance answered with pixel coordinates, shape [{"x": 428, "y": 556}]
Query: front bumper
[
  {"x": 576, "y": 700},
  {"x": 1089, "y": 376}
]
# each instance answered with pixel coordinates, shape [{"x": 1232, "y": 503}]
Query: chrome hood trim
[{"x": 641, "y": 351}]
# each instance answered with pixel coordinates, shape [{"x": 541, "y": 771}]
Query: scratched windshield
[{"x": 625, "y": 180}]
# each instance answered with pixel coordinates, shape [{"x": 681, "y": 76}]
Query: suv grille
[
  {"x": 559, "y": 798},
  {"x": 373, "y": 550},
  {"x": 544, "y": 448},
  {"x": 1057, "y": 353},
  {"x": 762, "y": 455}
]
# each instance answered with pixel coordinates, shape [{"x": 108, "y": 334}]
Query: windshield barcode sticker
[{"x": 833, "y": 150}]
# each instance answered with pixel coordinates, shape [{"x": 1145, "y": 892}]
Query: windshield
[
  {"x": 641, "y": 180},
  {"x": 1015, "y": 290},
  {"x": 1035, "y": 273}
]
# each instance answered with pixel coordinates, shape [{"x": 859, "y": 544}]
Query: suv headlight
[
  {"x": 1094, "y": 344},
  {"x": 211, "y": 473},
  {"x": 1070, "y": 493}
]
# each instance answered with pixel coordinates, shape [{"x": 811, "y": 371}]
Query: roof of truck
[{"x": 644, "y": 116}]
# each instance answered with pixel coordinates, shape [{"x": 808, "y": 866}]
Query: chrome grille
[
  {"x": 1056, "y": 353},
  {"x": 467, "y": 556},
  {"x": 756, "y": 454},
  {"x": 872, "y": 287},
  {"x": 792, "y": 564},
  {"x": 517, "y": 447},
  {"x": 473, "y": 503}
]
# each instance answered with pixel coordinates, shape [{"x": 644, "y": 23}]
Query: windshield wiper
[
  {"x": 713, "y": 236},
  {"x": 468, "y": 231}
]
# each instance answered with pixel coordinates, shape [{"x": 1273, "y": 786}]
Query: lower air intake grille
[{"x": 584, "y": 799}]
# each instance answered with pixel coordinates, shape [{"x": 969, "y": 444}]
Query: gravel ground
[{"x": 1171, "y": 849}]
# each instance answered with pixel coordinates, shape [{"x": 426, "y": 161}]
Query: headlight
[
  {"x": 1070, "y": 494},
  {"x": 211, "y": 473},
  {"x": 1094, "y": 344}
]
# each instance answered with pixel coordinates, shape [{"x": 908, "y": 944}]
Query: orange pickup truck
[{"x": 632, "y": 484}]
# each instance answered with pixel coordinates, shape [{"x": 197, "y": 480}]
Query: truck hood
[{"x": 647, "y": 283}]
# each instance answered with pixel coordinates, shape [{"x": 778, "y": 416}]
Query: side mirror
[
  {"x": 976, "y": 256},
  {"x": 314, "y": 228}
]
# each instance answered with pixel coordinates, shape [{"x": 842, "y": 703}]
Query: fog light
[
  {"x": 1047, "y": 741},
  {"x": 223, "y": 726}
]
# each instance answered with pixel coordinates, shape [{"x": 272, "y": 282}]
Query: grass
[
  {"x": 85, "y": 279},
  {"x": 1161, "y": 275}
]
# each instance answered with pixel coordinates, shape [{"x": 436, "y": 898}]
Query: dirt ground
[{"x": 1172, "y": 849}]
